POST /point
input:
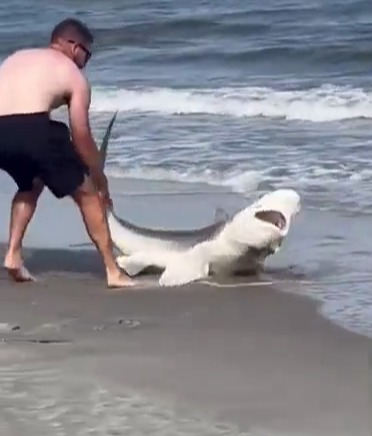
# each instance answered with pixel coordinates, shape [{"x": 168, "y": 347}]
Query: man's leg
[
  {"x": 94, "y": 216},
  {"x": 23, "y": 208}
]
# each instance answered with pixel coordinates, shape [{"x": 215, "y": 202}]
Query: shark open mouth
[{"x": 273, "y": 217}]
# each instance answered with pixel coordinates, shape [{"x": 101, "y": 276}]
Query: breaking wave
[{"x": 320, "y": 104}]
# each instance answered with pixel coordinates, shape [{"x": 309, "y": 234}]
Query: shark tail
[
  {"x": 106, "y": 139},
  {"x": 103, "y": 152}
]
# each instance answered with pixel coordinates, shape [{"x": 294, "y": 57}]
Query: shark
[{"x": 234, "y": 244}]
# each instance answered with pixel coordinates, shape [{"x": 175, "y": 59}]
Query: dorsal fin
[
  {"x": 106, "y": 139},
  {"x": 220, "y": 214}
]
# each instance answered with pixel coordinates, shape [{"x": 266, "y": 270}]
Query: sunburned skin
[{"x": 52, "y": 70}]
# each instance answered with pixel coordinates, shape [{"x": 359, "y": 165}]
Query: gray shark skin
[{"x": 185, "y": 238}]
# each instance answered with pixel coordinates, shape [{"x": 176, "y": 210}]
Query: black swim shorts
[{"x": 32, "y": 145}]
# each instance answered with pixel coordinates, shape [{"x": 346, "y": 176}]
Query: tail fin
[
  {"x": 103, "y": 153},
  {"x": 106, "y": 139}
]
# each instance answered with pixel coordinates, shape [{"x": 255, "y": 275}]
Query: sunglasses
[{"x": 88, "y": 53}]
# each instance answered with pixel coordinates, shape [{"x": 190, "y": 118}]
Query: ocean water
[{"x": 242, "y": 97}]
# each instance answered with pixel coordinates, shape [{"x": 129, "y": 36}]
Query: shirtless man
[{"x": 37, "y": 151}]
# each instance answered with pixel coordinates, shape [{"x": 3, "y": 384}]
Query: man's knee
[{"x": 31, "y": 194}]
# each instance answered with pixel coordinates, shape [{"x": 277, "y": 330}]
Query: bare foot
[
  {"x": 16, "y": 270},
  {"x": 119, "y": 280}
]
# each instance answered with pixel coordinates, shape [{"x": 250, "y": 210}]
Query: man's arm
[{"x": 82, "y": 138}]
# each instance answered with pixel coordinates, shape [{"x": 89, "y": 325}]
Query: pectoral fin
[
  {"x": 132, "y": 265},
  {"x": 184, "y": 269}
]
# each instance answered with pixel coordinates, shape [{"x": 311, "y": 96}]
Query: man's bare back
[{"x": 50, "y": 78}]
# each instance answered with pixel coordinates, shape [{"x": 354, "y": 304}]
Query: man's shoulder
[
  {"x": 44, "y": 55},
  {"x": 30, "y": 51},
  {"x": 65, "y": 71},
  {"x": 66, "y": 67},
  {"x": 55, "y": 57}
]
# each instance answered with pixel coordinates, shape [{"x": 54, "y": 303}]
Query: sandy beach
[{"x": 77, "y": 359}]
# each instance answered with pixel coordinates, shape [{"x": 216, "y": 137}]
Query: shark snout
[
  {"x": 283, "y": 201},
  {"x": 278, "y": 208}
]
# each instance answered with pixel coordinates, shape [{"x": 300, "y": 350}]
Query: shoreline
[{"x": 84, "y": 263}]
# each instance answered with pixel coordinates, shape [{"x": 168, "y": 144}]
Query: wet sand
[{"x": 78, "y": 359}]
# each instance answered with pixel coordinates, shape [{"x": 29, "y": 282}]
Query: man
[{"x": 36, "y": 151}]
